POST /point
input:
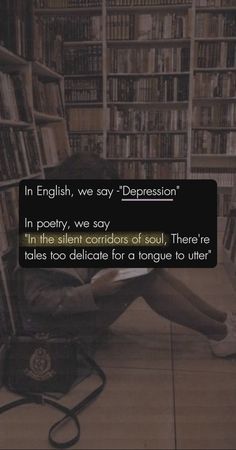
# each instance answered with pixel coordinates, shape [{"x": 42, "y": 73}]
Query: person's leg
[
  {"x": 168, "y": 300},
  {"x": 193, "y": 298},
  {"x": 111, "y": 307},
  {"x": 172, "y": 300}
]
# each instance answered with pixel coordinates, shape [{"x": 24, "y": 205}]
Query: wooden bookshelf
[
  {"x": 128, "y": 133},
  {"x": 217, "y": 39},
  {"x": 147, "y": 43},
  {"x": 141, "y": 159},
  {"x": 230, "y": 239},
  {"x": 15, "y": 124},
  {"x": 9, "y": 58},
  {"x": 12, "y": 182},
  {"x": 42, "y": 118},
  {"x": 107, "y": 44},
  {"x": 144, "y": 8},
  {"x": 16, "y": 30},
  {"x": 67, "y": 11},
  {"x": 50, "y": 124},
  {"x": 81, "y": 43},
  {"x": 7, "y": 186},
  {"x": 43, "y": 71},
  {"x": 114, "y": 109},
  {"x": 151, "y": 104},
  {"x": 214, "y": 69},
  {"x": 147, "y": 74},
  {"x": 217, "y": 10},
  {"x": 24, "y": 144},
  {"x": 215, "y": 135},
  {"x": 18, "y": 161},
  {"x": 83, "y": 103}
]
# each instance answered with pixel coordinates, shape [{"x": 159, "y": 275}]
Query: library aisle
[{"x": 165, "y": 390}]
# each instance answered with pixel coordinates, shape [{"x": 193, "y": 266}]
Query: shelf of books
[
  {"x": 16, "y": 26},
  {"x": 230, "y": 239},
  {"x": 33, "y": 137},
  {"x": 49, "y": 114},
  {"x": 82, "y": 33},
  {"x": 150, "y": 84},
  {"x": 148, "y": 55},
  {"x": 127, "y": 81},
  {"x": 19, "y": 158},
  {"x": 213, "y": 153},
  {"x": 152, "y": 80}
]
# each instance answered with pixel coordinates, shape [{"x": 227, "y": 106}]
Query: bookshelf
[
  {"x": 213, "y": 151},
  {"x": 152, "y": 81},
  {"x": 146, "y": 84},
  {"x": 19, "y": 158},
  {"x": 85, "y": 79},
  {"x": 16, "y": 31},
  {"x": 33, "y": 139},
  {"x": 230, "y": 239},
  {"x": 49, "y": 114},
  {"x": 106, "y": 69}
]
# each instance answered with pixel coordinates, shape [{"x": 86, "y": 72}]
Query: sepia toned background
[{"x": 151, "y": 85}]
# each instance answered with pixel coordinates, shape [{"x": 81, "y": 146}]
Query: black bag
[
  {"x": 38, "y": 366},
  {"x": 41, "y": 364}
]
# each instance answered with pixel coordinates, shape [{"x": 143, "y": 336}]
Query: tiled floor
[{"x": 165, "y": 389}]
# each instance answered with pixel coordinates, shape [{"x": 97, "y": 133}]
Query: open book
[{"x": 124, "y": 273}]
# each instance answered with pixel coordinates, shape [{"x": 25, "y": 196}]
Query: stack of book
[
  {"x": 218, "y": 115},
  {"x": 224, "y": 177},
  {"x": 86, "y": 60},
  {"x": 148, "y": 2},
  {"x": 215, "y": 54},
  {"x": 77, "y": 28},
  {"x": 130, "y": 119},
  {"x": 215, "y": 3},
  {"x": 14, "y": 102},
  {"x": 215, "y": 85},
  {"x": 18, "y": 154},
  {"x": 151, "y": 170},
  {"x": 92, "y": 143},
  {"x": 148, "y": 60},
  {"x": 16, "y": 32},
  {"x": 151, "y": 89},
  {"x": 148, "y": 26},
  {"x": 230, "y": 236},
  {"x": 223, "y": 203},
  {"x": 216, "y": 25},
  {"x": 147, "y": 146},
  {"x": 8, "y": 216},
  {"x": 47, "y": 96},
  {"x": 4, "y": 317},
  {"x": 48, "y": 46},
  {"x": 214, "y": 142},
  {"x": 53, "y": 144},
  {"x": 67, "y": 3},
  {"x": 83, "y": 90}
]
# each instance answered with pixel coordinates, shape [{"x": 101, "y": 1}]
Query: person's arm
[{"x": 43, "y": 294}]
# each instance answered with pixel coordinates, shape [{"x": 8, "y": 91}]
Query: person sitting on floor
[{"x": 66, "y": 300}]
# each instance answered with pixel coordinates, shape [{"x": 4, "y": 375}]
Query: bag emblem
[{"x": 40, "y": 365}]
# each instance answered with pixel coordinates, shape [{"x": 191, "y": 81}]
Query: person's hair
[{"x": 84, "y": 166}]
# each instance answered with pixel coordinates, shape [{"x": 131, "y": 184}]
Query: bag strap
[
  {"x": 83, "y": 404},
  {"x": 69, "y": 413},
  {"x": 40, "y": 399}
]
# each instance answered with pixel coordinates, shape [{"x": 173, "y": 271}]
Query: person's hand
[{"x": 105, "y": 285}]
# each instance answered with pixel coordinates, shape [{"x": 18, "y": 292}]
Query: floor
[{"x": 165, "y": 389}]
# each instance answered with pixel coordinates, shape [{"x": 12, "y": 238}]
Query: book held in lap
[{"x": 124, "y": 273}]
